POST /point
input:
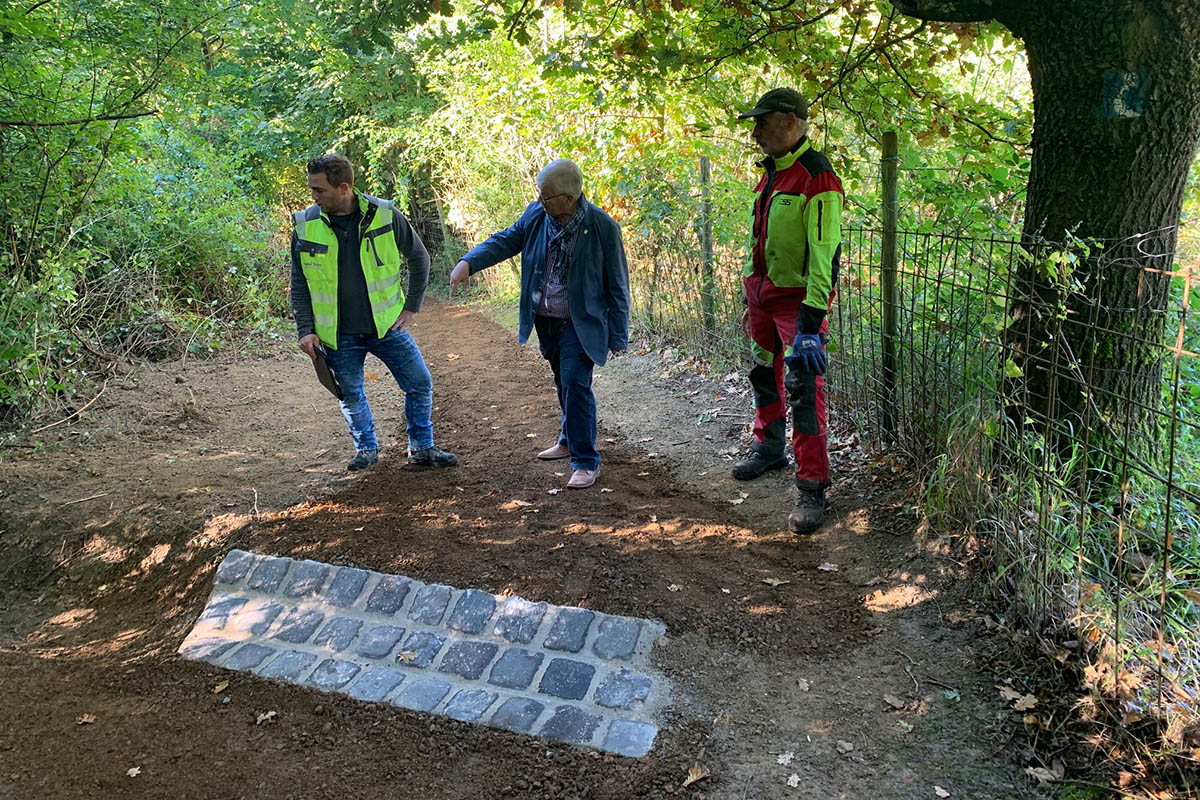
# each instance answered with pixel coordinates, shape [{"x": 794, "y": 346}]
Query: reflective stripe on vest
[{"x": 378, "y": 255}]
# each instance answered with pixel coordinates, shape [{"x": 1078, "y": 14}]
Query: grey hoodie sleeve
[
  {"x": 301, "y": 300},
  {"x": 414, "y": 251}
]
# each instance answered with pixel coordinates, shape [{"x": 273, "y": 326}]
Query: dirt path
[{"x": 110, "y": 530}]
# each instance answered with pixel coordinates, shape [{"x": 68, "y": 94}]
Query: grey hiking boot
[
  {"x": 809, "y": 513},
  {"x": 363, "y": 459},
  {"x": 432, "y": 457},
  {"x": 754, "y": 464}
]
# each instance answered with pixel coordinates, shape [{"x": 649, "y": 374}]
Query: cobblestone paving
[{"x": 559, "y": 672}]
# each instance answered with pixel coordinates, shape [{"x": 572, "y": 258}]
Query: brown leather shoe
[
  {"x": 555, "y": 453},
  {"x": 582, "y": 478}
]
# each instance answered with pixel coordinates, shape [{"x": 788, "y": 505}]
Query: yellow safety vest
[{"x": 378, "y": 254}]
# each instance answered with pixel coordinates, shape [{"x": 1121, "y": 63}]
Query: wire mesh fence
[{"x": 1052, "y": 393}]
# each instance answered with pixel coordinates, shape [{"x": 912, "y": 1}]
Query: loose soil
[{"x": 113, "y": 521}]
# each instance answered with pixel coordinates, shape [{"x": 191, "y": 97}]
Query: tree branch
[
  {"x": 950, "y": 10},
  {"x": 928, "y": 97},
  {"x": 18, "y": 123},
  {"x": 870, "y": 51}
]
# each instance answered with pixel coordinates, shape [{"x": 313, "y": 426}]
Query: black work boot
[
  {"x": 754, "y": 464},
  {"x": 432, "y": 457},
  {"x": 362, "y": 460},
  {"x": 811, "y": 505}
]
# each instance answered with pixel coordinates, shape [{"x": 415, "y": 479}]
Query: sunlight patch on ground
[
  {"x": 73, "y": 618},
  {"x": 906, "y": 595},
  {"x": 157, "y": 555}
]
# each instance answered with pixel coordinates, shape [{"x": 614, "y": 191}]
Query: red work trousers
[{"x": 773, "y": 315}]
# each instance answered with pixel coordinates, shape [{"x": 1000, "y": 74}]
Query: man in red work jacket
[{"x": 789, "y": 284}]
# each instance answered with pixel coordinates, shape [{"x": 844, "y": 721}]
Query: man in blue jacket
[{"x": 574, "y": 291}]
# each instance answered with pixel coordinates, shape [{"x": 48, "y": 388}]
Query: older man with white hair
[{"x": 574, "y": 291}]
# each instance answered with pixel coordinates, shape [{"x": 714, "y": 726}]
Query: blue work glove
[{"x": 808, "y": 355}]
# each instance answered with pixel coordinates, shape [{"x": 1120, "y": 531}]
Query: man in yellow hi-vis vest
[{"x": 347, "y": 301}]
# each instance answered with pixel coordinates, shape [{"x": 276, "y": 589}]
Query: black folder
[{"x": 325, "y": 374}]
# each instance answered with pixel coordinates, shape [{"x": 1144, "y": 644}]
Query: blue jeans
[
  {"x": 400, "y": 354},
  {"x": 573, "y": 379}
]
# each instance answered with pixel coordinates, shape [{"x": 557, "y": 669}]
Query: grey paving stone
[
  {"x": 430, "y": 604},
  {"x": 331, "y": 674},
  {"x": 378, "y": 641},
  {"x": 472, "y": 611},
  {"x": 519, "y": 620},
  {"x": 338, "y": 634},
  {"x": 517, "y": 714},
  {"x": 219, "y": 613},
  {"x": 299, "y": 625},
  {"x": 257, "y": 617},
  {"x": 346, "y": 586},
  {"x": 424, "y": 645},
  {"x": 468, "y": 659},
  {"x": 287, "y": 666},
  {"x": 630, "y": 738},
  {"x": 569, "y": 629},
  {"x": 388, "y": 595},
  {"x": 207, "y": 649},
  {"x": 515, "y": 668},
  {"x": 269, "y": 574},
  {"x": 561, "y": 673},
  {"x": 570, "y": 724},
  {"x": 469, "y": 704},
  {"x": 422, "y": 695},
  {"x": 621, "y": 689},
  {"x": 307, "y": 579},
  {"x": 234, "y": 566},
  {"x": 249, "y": 656},
  {"x": 566, "y": 679},
  {"x": 375, "y": 683},
  {"x": 616, "y": 637}
]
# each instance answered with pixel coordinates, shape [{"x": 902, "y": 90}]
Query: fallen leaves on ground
[
  {"x": 774, "y": 582},
  {"x": 453, "y": 356},
  {"x": 1025, "y": 703},
  {"x": 698, "y": 772},
  {"x": 85, "y": 719},
  {"x": 893, "y": 701},
  {"x": 220, "y": 687},
  {"x": 521, "y": 503},
  {"x": 265, "y": 716},
  {"x": 407, "y": 655},
  {"x": 1041, "y": 774}
]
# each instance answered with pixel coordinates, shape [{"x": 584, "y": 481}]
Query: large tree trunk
[
  {"x": 1115, "y": 129},
  {"x": 1116, "y": 122}
]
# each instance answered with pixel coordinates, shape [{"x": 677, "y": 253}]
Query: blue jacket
[{"x": 597, "y": 277}]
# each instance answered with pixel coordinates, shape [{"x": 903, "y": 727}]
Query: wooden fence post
[
  {"x": 708, "y": 278},
  {"x": 888, "y": 279}
]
